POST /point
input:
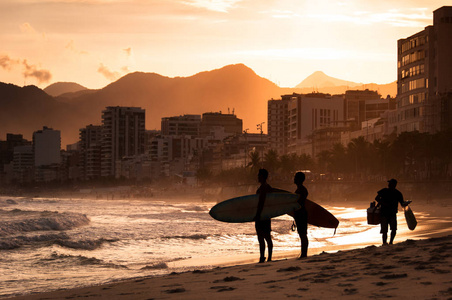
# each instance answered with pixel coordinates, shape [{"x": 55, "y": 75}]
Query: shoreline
[
  {"x": 285, "y": 259},
  {"x": 406, "y": 270}
]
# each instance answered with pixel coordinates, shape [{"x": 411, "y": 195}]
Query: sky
[{"x": 95, "y": 42}]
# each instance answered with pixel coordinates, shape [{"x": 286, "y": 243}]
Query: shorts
[
  {"x": 263, "y": 226},
  {"x": 301, "y": 219},
  {"x": 388, "y": 221}
]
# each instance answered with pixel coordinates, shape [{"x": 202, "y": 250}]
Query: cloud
[
  {"x": 110, "y": 75},
  {"x": 7, "y": 63},
  {"x": 128, "y": 51},
  {"x": 28, "y": 29},
  {"x": 213, "y": 5},
  {"x": 71, "y": 46},
  {"x": 39, "y": 74}
]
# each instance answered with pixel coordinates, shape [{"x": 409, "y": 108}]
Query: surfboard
[
  {"x": 410, "y": 218},
  {"x": 317, "y": 215},
  {"x": 243, "y": 209}
]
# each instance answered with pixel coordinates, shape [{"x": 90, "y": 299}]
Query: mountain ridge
[{"x": 235, "y": 87}]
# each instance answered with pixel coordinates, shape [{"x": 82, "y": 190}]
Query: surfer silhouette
[
  {"x": 301, "y": 215},
  {"x": 263, "y": 227},
  {"x": 388, "y": 200}
]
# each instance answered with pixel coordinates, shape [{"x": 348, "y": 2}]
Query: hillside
[
  {"x": 232, "y": 88},
  {"x": 60, "y": 88}
]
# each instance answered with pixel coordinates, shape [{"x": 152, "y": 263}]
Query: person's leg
[
  {"x": 261, "y": 240},
  {"x": 393, "y": 226},
  {"x": 268, "y": 238},
  {"x": 304, "y": 245},
  {"x": 384, "y": 229},
  {"x": 393, "y": 234}
]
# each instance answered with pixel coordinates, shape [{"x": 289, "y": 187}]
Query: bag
[
  {"x": 373, "y": 214},
  {"x": 410, "y": 218}
]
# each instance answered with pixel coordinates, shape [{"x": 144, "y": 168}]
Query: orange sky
[{"x": 95, "y": 42}]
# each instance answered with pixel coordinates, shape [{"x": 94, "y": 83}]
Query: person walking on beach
[
  {"x": 301, "y": 215},
  {"x": 388, "y": 200},
  {"x": 263, "y": 227}
]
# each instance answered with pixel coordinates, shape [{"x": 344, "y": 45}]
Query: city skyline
[{"x": 95, "y": 42}]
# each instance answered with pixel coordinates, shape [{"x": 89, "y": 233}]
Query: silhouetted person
[
  {"x": 263, "y": 227},
  {"x": 301, "y": 215},
  {"x": 388, "y": 200}
]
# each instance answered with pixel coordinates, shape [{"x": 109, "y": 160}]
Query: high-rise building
[
  {"x": 123, "y": 135},
  {"x": 424, "y": 76},
  {"x": 361, "y": 106},
  {"x": 278, "y": 124},
  {"x": 181, "y": 125},
  {"x": 229, "y": 122},
  {"x": 47, "y": 147},
  {"x": 47, "y": 154},
  {"x": 23, "y": 165},
  {"x": 90, "y": 151},
  {"x": 311, "y": 112}
]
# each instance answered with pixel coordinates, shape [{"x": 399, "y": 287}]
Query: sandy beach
[{"x": 412, "y": 268}]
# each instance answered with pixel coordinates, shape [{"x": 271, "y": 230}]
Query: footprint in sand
[
  {"x": 228, "y": 279},
  {"x": 394, "y": 276},
  {"x": 174, "y": 291},
  {"x": 222, "y": 288}
]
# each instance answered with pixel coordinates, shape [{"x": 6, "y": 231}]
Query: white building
[{"x": 311, "y": 112}]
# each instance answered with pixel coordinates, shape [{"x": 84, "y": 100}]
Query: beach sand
[
  {"x": 407, "y": 270},
  {"x": 412, "y": 268}
]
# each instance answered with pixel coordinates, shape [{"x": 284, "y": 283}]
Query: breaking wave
[
  {"x": 80, "y": 260},
  {"x": 18, "y": 221}
]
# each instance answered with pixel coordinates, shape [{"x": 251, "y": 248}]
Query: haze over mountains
[{"x": 232, "y": 88}]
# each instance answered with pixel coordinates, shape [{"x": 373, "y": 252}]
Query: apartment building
[
  {"x": 181, "y": 125},
  {"x": 47, "y": 154},
  {"x": 90, "y": 151},
  {"x": 311, "y": 112},
  {"x": 278, "y": 124},
  {"x": 213, "y": 120},
  {"x": 424, "y": 76},
  {"x": 123, "y": 135}
]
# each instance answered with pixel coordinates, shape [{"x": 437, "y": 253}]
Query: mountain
[
  {"x": 318, "y": 80},
  {"x": 24, "y": 110},
  {"x": 233, "y": 88},
  {"x": 60, "y": 88}
]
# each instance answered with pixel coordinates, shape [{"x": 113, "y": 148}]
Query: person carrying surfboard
[
  {"x": 263, "y": 227},
  {"x": 301, "y": 215},
  {"x": 388, "y": 200}
]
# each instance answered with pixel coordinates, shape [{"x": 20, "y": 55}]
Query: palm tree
[{"x": 271, "y": 160}]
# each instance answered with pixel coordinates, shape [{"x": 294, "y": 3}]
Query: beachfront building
[
  {"x": 123, "y": 135},
  {"x": 23, "y": 164},
  {"x": 228, "y": 123},
  {"x": 362, "y": 106},
  {"x": 278, "y": 124},
  {"x": 90, "y": 151},
  {"x": 181, "y": 125},
  {"x": 424, "y": 76},
  {"x": 7, "y": 154},
  {"x": 311, "y": 112},
  {"x": 47, "y": 154}
]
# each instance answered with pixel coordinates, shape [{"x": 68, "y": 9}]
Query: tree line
[{"x": 409, "y": 156}]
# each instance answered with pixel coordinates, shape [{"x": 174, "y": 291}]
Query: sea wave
[
  {"x": 80, "y": 260},
  {"x": 17, "y": 221},
  {"x": 84, "y": 244},
  {"x": 9, "y": 243}
]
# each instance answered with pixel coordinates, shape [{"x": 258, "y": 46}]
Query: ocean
[{"x": 49, "y": 244}]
